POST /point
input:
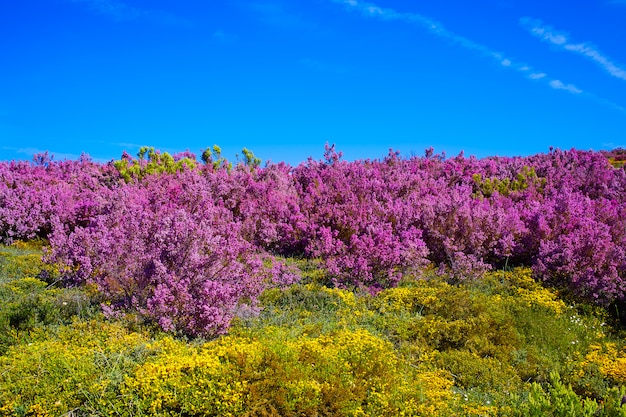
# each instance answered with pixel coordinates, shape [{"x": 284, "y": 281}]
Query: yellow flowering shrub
[
  {"x": 472, "y": 371},
  {"x": 347, "y": 373},
  {"x": 421, "y": 296},
  {"x": 526, "y": 291},
  {"x": 184, "y": 380},
  {"x": 442, "y": 316},
  {"x": 542, "y": 298},
  {"x": 435, "y": 393},
  {"x": 79, "y": 367},
  {"x": 610, "y": 360},
  {"x": 27, "y": 303},
  {"x": 23, "y": 259}
]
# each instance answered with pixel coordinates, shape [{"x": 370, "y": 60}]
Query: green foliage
[
  {"x": 499, "y": 333},
  {"x": 28, "y": 303},
  {"x": 249, "y": 159},
  {"x": 20, "y": 260},
  {"x": 525, "y": 178},
  {"x": 311, "y": 309},
  {"x": 150, "y": 162},
  {"x": 559, "y": 401},
  {"x": 213, "y": 156}
]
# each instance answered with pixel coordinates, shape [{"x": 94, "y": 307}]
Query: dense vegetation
[
  {"x": 501, "y": 345},
  {"x": 402, "y": 286}
]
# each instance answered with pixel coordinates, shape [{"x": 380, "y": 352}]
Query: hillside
[{"x": 161, "y": 285}]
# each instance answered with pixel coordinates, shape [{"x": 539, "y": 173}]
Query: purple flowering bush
[
  {"x": 584, "y": 249},
  {"x": 357, "y": 224},
  {"x": 167, "y": 249},
  {"x": 190, "y": 245},
  {"x": 264, "y": 202},
  {"x": 32, "y": 195}
]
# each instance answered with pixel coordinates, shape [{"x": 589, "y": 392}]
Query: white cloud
[
  {"x": 612, "y": 145},
  {"x": 561, "y": 40},
  {"x": 432, "y": 26},
  {"x": 438, "y": 29},
  {"x": 123, "y": 144},
  {"x": 559, "y": 85}
]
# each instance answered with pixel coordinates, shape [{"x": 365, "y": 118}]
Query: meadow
[{"x": 163, "y": 285}]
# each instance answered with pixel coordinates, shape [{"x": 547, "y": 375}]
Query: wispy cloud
[
  {"x": 559, "y": 85},
  {"x": 120, "y": 11},
  {"x": 562, "y": 40},
  {"x": 612, "y": 145},
  {"x": 432, "y": 26},
  {"x": 29, "y": 151},
  {"x": 438, "y": 29},
  {"x": 123, "y": 144}
]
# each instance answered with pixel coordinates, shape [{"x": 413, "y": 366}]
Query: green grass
[
  {"x": 503, "y": 345},
  {"x": 29, "y": 297}
]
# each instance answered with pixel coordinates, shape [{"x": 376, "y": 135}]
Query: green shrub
[
  {"x": 27, "y": 303},
  {"x": 22, "y": 259},
  {"x": 149, "y": 162},
  {"x": 558, "y": 401},
  {"x": 525, "y": 178}
]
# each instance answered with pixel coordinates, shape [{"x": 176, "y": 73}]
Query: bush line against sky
[{"x": 190, "y": 245}]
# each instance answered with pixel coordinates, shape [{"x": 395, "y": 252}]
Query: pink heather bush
[
  {"x": 189, "y": 246},
  {"x": 167, "y": 248},
  {"x": 32, "y": 195},
  {"x": 470, "y": 235},
  {"x": 357, "y": 224},
  {"x": 582, "y": 250},
  {"x": 264, "y": 201}
]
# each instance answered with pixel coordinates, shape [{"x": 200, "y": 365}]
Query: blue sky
[{"x": 283, "y": 77}]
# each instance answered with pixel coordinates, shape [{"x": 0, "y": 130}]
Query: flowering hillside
[
  {"x": 161, "y": 285},
  {"x": 187, "y": 244}
]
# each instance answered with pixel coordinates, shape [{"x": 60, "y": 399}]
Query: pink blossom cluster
[
  {"x": 169, "y": 248},
  {"x": 34, "y": 195},
  {"x": 192, "y": 247}
]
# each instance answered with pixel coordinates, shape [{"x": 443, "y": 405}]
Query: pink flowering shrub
[
  {"x": 167, "y": 249},
  {"x": 584, "y": 249},
  {"x": 356, "y": 222},
  {"x": 470, "y": 235},
  {"x": 32, "y": 195},
  {"x": 265, "y": 202},
  {"x": 190, "y": 245}
]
